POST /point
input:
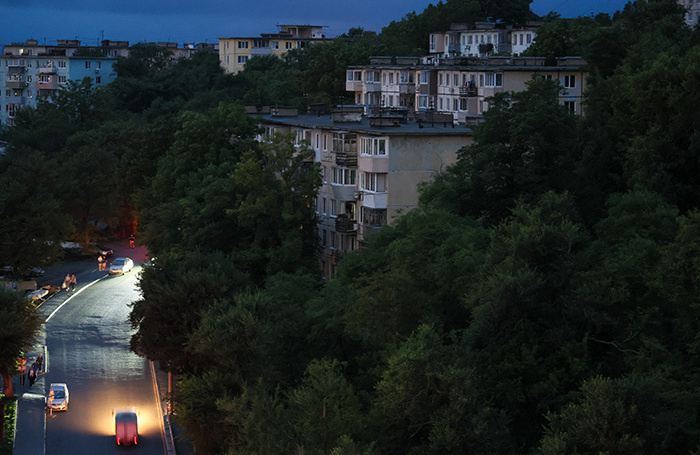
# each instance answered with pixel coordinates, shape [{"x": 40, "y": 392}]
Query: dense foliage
[{"x": 544, "y": 298}]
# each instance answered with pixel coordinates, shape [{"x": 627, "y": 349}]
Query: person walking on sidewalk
[
  {"x": 73, "y": 282},
  {"x": 66, "y": 282},
  {"x": 101, "y": 266}
]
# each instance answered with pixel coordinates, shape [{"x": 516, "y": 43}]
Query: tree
[
  {"x": 19, "y": 327},
  {"x": 34, "y": 222},
  {"x": 524, "y": 148}
]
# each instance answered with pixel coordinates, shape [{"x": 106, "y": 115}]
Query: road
[{"x": 87, "y": 339}]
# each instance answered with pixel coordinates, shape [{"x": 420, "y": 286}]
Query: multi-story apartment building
[
  {"x": 457, "y": 86},
  {"x": 372, "y": 166},
  {"x": 235, "y": 52},
  {"x": 692, "y": 15},
  {"x": 482, "y": 40},
  {"x": 26, "y": 78}
]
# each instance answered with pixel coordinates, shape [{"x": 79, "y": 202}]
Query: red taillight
[
  {"x": 136, "y": 440},
  {"x": 118, "y": 441}
]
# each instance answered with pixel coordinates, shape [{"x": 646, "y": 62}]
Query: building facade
[
  {"x": 482, "y": 40},
  {"x": 372, "y": 167},
  {"x": 235, "y": 52},
  {"x": 26, "y": 78},
  {"x": 692, "y": 15},
  {"x": 457, "y": 86}
]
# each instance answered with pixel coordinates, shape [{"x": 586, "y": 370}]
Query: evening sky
[{"x": 207, "y": 20}]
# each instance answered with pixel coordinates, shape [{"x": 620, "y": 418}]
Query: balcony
[
  {"x": 346, "y": 159},
  {"x": 353, "y": 86},
  {"x": 50, "y": 83},
  {"x": 373, "y": 86},
  {"x": 15, "y": 84},
  {"x": 344, "y": 225},
  {"x": 374, "y": 200},
  {"x": 468, "y": 91},
  {"x": 47, "y": 70},
  {"x": 407, "y": 88}
]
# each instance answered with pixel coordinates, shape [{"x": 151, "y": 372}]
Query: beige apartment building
[
  {"x": 459, "y": 87},
  {"x": 235, "y": 52},
  {"x": 372, "y": 166}
]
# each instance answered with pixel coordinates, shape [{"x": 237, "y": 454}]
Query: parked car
[
  {"x": 58, "y": 397},
  {"x": 104, "y": 251},
  {"x": 121, "y": 265},
  {"x": 126, "y": 427}
]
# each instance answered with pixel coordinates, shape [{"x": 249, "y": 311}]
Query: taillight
[
  {"x": 136, "y": 440},
  {"x": 118, "y": 441}
]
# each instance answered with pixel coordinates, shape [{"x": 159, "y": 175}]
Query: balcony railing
[
  {"x": 345, "y": 225},
  {"x": 346, "y": 159},
  {"x": 468, "y": 91}
]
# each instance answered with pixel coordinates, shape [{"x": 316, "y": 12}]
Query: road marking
[{"x": 69, "y": 298}]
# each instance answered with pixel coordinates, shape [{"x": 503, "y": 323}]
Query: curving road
[{"x": 87, "y": 347}]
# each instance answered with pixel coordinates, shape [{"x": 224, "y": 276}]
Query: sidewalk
[{"x": 31, "y": 410}]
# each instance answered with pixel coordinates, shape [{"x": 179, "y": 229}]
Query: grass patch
[{"x": 9, "y": 423}]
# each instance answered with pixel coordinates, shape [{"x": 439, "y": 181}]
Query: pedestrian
[
  {"x": 132, "y": 239},
  {"x": 40, "y": 362},
  {"x": 66, "y": 282},
  {"x": 73, "y": 282},
  {"x": 32, "y": 377},
  {"x": 101, "y": 263}
]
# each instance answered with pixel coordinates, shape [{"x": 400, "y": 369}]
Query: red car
[{"x": 126, "y": 428}]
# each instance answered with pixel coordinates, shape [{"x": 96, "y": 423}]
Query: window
[
  {"x": 570, "y": 81},
  {"x": 373, "y": 76},
  {"x": 288, "y": 45},
  {"x": 490, "y": 79},
  {"x": 243, "y": 45},
  {"x": 570, "y": 106},
  {"x": 499, "y": 79},
  {"x": 99, "y": 65},
  {"x": 424, "y": 77},
  {"x": 462, "y": 104},
  {"x": 343, "y": 176},
  {"x": 61, "y": 63},
  {"x": 456, "y": 80},
  {"x": 354, "y": 76},
  {"x": 98, "y": 79},
  {"x": 325, "y": 143},
  {"x": 374, "y": 182},
  {"x": 87, "y": 65},
  {"x": 61, "y": 79},
  {"x": 242, "y": 59},
  {"x": 374, "y": 146}
]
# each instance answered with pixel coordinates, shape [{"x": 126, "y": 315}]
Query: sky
[{"x": 181, "y": 21}]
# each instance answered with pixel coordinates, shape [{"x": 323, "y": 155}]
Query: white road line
[{"x": 69, "y": 298}]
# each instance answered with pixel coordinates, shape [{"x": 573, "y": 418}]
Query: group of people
[
  {"x": 102, "y": 263},
  {"x": 69, "y": 282}
]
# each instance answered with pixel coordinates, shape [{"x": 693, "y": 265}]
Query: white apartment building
[
  {"x": 26, "y": 78},
  {"x": 372, "y": 166},
  {"x": 482, "y": 40},
  {"x": 448, "y": 87}
]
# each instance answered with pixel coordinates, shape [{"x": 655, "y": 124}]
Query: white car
[
  {"x": 58, "y": 397},
  {"x": 121, "y": 265}
]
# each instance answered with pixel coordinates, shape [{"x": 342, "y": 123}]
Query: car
[
  {"x": 121, "y": 265},
  {"x": 126, "y": 427},
  {"x": 104, "y": 251},
  {"x": 58, "y": 397}
]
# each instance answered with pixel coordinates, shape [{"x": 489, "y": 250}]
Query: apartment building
[
  {"x": 235, "y": 52},
  {"x": 27, "y": 77},
  {"x": 482, "y": 40},
  {"x": 458, "y": 86},
  {"x": 372, "y": 166}
]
